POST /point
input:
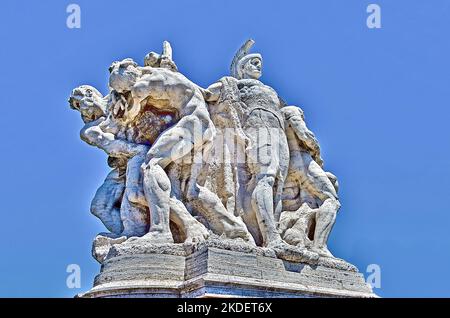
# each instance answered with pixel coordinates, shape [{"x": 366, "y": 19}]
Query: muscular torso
[
  {"x": 261, "y": 101},
  {"x": 166, "y": 97}
]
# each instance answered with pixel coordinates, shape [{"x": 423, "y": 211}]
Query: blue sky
[{"x": 377, "y": 99}]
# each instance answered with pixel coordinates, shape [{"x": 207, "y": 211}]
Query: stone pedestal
[{"x": 213, "y": 271}]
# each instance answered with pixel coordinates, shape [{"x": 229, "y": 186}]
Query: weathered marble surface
[
  {"x": 209, "y": 270},
  {"x": 230, "y": 168}
]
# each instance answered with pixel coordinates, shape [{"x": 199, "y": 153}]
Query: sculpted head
[
  {"x": 246, "y": 65},
  {"x": 123, "y": 75},
  {"x": 89, "y": 102},
  {"x": 152, "y": 59},
  {"x": 252, "y": 66}
]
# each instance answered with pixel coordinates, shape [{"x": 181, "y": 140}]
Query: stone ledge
[{"x": 215, "y": 272}]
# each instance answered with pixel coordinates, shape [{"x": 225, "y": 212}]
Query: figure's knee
[
  {"x": 263, "y": 187},
  {"x": 148, "y": 166},
  {"x": 155, "y": 178},
  {"x": 99, "y": 205},
  {"x": 109, "y": 217},
  {"x": 330, "y": 206},
  {"x": 336, "y": 204},
  {"x": 266, "y": 180},
  {"x": 96, "y": 209}
]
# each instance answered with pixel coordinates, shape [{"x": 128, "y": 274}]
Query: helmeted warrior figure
[
  {"x": 278, "y": 140},
  {"x": 266, "y": 151}
]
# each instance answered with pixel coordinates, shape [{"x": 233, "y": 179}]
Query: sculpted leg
[
  {"x": 134, "y": 217},
  {"x": 172, "y": 145},
  {"x": 262, "y": 200},
  {"x": 211, "y": 207},
  {"x": 264, "y": 206},
  {"x": 133, "y": 209},
  {"x": 157, "y": 192},
  {"x": 155, "y": 177},
  {"x": 264, "y": 161},
  {"x": 106, "y": 202},
  {"x": 316, "y": 181},
  {"x": 193, "y": 230},
  {"x": 219, "y": 218},
  {"x": 134, "y": 179},
  {"x": 325, "y": 218}
]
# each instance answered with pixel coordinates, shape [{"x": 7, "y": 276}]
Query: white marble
[{"x": 232, "y": 161}]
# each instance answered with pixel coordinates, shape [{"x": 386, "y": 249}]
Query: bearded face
[{"x": 89, "y": 102}]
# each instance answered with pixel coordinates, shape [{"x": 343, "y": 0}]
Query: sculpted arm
[
  {"x": 212, "y": 93},
  {"x": 295, "y": 119},
  {"x": 94, "y": 134}
]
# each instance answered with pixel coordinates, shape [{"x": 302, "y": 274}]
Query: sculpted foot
[
  {"x": 158, "y": 237},
  {"x": 154, "y": 237},
  {"x": 249, "y": 238},
  {"x": 127, "y": 234},
  {"x": 103, "y": 243},
  {"x": 196, "y": 234},
  {"x": 238, "y": 232},
  {"x": 292, "y": 253},
  {"x": 322, "y": 251},
  {"x": 132, "y": 232}
]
